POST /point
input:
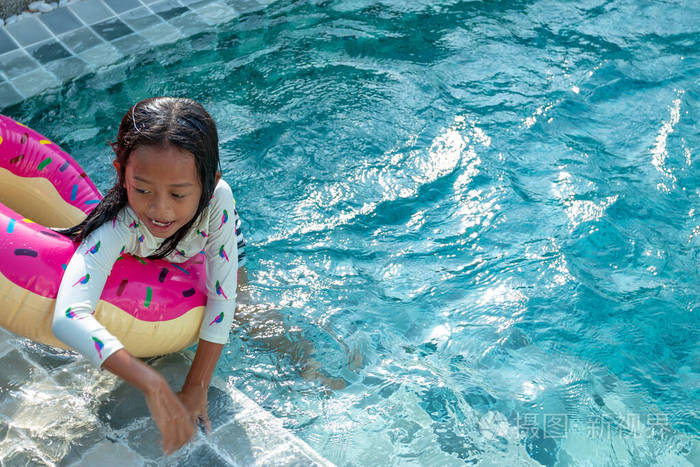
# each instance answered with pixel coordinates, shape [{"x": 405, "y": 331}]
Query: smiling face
[{"x": 163, "y": 187}]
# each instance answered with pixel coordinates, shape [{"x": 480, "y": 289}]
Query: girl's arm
[
  {"x": 79, "y": 293},
  {"x": 194, "y": 391},
  {"x": 222, "y": 280}
]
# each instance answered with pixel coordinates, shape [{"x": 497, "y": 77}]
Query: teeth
[{"x": 160, "y": 224}]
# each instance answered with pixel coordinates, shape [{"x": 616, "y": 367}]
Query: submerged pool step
[
  {"x": 57, "y": 409},
  {"x": 45, "y": 50}
]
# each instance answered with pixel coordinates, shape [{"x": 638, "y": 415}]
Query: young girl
[{"x": 169, "y": 202}]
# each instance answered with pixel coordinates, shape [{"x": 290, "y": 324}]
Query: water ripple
[{"x": 481, "y": 215}]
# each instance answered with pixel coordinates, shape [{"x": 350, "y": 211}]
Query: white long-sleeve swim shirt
[{"x": 217, "y": 230}]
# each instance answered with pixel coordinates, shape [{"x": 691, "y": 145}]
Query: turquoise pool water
[{"x": 484, "y": 216}]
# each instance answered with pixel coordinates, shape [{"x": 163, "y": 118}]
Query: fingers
[
  {"x": 172, "y": 419},
  {"x": 195, "y": 403},
  {"x": 207, "y": 423},
  {"x": 176, "y": 436},
  {"x": 205, "y": 419}
]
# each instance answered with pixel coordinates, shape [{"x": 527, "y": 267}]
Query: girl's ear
[{"x": 218, "y": 177}]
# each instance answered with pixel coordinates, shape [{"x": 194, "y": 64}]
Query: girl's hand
[
  {"x": 195, "y": 402},
  {"x": 171, "y": 417}
]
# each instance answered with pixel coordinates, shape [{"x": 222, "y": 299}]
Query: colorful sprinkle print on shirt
[
  {"x": 224, "y": 219},
  {"x": 218, "y": 319},
  {"x": 222, "y": 253},
  {"x": 99, "y": 345},
  {"x": 133, "y": 225},
  {"x": 95, "y": 248},
  {"x": 83, "y": 280},
  {"x": 140, "y": 238},
  {"x": 203, "y": 234},
  {"x": 70, "y": 314},
  {"x": 220, "y": 291}
]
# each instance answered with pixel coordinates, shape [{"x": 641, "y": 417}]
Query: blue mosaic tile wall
[{"x": 46, "y": 50}]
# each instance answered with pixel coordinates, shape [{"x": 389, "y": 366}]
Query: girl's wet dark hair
[{"x": 159, "y": 122}]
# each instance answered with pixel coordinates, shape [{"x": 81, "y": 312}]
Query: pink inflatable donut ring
[{"x": 152, "y": 306}]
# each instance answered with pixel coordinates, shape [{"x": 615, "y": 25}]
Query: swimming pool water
[{"x": 484, "y": 215}]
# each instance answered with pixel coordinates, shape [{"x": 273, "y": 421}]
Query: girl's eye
[
  {"x": 178, "y": 196},
  {"x": 138, "y": 190}
]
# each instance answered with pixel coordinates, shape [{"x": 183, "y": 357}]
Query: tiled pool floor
[
  {"x": 56, "y": 409},
  {"x": 46, "y": 50}
]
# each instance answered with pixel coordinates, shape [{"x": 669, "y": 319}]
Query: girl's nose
[{"x": 160, "y": 209}]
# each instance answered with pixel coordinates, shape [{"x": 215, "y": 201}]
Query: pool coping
[{"x": 43, "y": 51}]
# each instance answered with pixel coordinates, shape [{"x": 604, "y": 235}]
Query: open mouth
[{"x": 160, "y": 224}]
